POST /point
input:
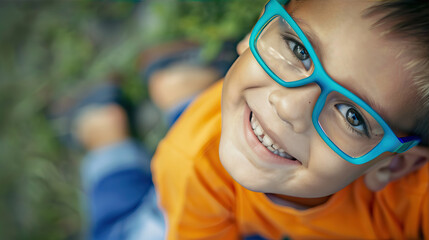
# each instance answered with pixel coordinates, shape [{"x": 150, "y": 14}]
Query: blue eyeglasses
[{"x": 346, "y": 123}]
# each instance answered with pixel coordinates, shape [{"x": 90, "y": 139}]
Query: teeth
[
  {"x": 254, "y": 124},
  {"x": 259, "y": 130},
  {"x": 266, "y": 140}
]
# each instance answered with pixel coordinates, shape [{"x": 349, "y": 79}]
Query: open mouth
[{"x": 266, "y": 140}]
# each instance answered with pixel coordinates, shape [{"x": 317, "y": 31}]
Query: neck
[{"x": 305, "y": 202}]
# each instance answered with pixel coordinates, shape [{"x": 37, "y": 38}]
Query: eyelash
[{"x": 353, "y": 130}]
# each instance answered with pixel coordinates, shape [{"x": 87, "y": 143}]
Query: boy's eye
[
  {"x": 299, "y": 52},
  {"x": 353, "y": 118}
]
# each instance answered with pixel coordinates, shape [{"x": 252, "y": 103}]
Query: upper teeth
[{"x": 266, "y": 140}]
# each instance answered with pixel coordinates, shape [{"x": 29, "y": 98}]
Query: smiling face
[{"x": 269, "y": 143}]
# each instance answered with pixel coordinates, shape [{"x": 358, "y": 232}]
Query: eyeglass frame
[{"x": 389, "y": 143}]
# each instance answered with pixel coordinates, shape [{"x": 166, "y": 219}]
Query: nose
[{"x": 295, "y": 105}]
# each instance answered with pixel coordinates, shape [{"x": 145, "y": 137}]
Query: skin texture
[{"x": 354, "y": 55}]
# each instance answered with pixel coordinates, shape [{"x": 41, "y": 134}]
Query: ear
[
  {"x": 395, "y": 167},
  {"x": 243, "y": 45}
]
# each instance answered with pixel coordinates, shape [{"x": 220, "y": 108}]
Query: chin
[
  {"x": 258, "y": 182},
  {"x": 239, "y": 167}
]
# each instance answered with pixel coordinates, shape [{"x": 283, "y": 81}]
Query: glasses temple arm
[{"x": 407, "y": 143}]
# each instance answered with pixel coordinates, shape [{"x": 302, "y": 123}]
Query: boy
[{"x": 309, "y": 140}]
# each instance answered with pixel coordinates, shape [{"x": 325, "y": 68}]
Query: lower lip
[{"x": 261, "y": 151}]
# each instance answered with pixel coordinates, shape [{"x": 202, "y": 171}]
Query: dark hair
[{"x": 409, "y": 20}]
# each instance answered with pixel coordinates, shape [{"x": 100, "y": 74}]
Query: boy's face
[{"x": 354, "y": 55}]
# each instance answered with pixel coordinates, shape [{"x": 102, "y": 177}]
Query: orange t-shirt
[{"x": 201, "y": 200}]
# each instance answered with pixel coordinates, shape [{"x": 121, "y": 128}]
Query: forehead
[{"x": 358, "y": 57}]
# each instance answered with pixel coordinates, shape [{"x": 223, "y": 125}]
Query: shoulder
[
  {"x": 192, "y": 185},
  {"x": 199, "y": 125},
  {"x": 190, "y": 151}
]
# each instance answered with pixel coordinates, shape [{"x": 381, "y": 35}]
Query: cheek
[{"x": 329, "y": 171}]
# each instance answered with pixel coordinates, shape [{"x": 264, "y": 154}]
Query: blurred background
[{"x": 54, "y": 49}]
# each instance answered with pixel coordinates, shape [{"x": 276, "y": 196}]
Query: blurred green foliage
[
  {"x": 213, "y": 22},
  {"x": 48, "y": 50}
]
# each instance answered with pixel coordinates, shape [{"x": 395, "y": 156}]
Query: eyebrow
[{"x": 316, "y": 43}]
